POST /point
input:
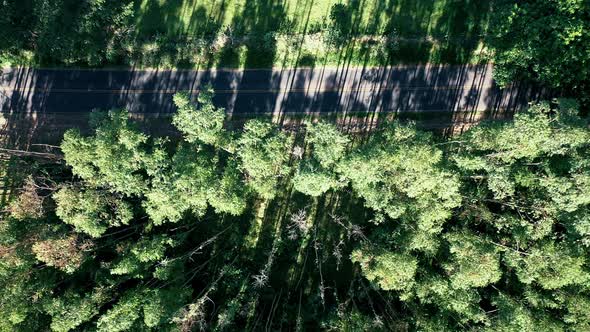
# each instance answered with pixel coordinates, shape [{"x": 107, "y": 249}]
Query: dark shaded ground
[{"x": 38, "y": 104}]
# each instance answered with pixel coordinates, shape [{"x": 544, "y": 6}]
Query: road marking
[{"x": 170, "y": 91}]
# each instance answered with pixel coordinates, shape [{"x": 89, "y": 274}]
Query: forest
[
  {"x": 255, "y": 228},
  {"x": 222, "y": 225}
]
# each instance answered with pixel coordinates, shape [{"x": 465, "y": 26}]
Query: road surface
[
  {"x": 38, "y": 105},
  {"x": 400, "y": 89}
]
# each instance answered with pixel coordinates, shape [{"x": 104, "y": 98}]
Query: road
[
  {"x": 400, "y": 89},
  {"x": 38, "y": 105}
]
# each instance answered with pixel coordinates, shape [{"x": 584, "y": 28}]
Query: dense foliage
[
  {"x": 258, "y": 228},
  {"x": 545, "y": 41},
  {"x": 67, "y": 32}
]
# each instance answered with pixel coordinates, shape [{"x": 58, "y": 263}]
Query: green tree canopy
[
  {"x": 544, "y": 41},
  {"x": 263, "y": 151},
  {"x": 486, "y": 231},
  {"x": 317, "y": 175}
]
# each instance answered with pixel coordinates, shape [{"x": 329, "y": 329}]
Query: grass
[
  {"x": 435, "y": 31},
  {"x": 410, "y": 18},
  {"x": 258, "y": 34},
  {"x": 289, "y": 33}
]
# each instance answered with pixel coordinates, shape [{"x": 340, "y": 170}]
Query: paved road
[{"x": 391, "y": 89}]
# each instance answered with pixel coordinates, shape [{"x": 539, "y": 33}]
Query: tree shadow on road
[{"x": 353, "y": 92}]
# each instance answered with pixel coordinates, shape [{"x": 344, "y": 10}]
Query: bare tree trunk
[{"x": 21, "y": 153}]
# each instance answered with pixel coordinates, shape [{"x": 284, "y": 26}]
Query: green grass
[
  {"x": 410, "y": 18},
  {"x": 436, "y": 31},
  {"x": 264, "y": 33}
]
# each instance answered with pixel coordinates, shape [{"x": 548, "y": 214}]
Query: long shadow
[
  {"x": 456, "y": 89},
  {"x": 88, "y": 34},
  {"x": 176, "y": 33},
  {"x": 435, "y": 96},
  {"x": 38, "y": 105},
  {"x": 182, "y": 33},
  {"x": 257, "y": 17},
  {"x": 462, "y": 26}
]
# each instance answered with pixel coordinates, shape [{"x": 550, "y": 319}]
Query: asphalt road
[{"x": 401, "y": 89}]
